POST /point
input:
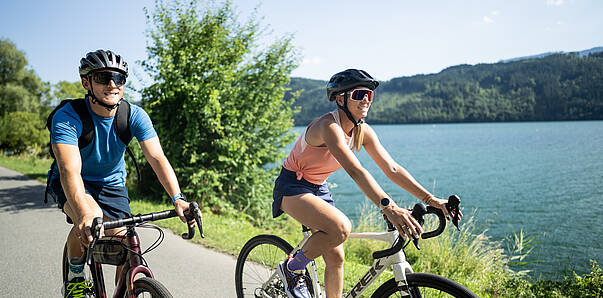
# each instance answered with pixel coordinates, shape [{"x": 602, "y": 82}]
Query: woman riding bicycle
[{"x": 301, "y": 191}]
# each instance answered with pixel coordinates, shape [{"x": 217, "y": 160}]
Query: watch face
[{"x": 384, "y": 202}]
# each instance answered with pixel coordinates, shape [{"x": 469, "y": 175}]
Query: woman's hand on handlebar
[
  {"x": 403, "y": 221},
  {"x": 441, "y": 204},
  {"x": 181, "y": 206}
]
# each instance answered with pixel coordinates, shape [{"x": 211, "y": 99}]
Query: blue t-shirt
[{"x": 103, "y": 158}]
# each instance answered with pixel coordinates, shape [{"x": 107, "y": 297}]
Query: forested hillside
[{"x": 555, "y": 87}]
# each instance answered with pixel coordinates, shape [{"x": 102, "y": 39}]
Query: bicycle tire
[
  {"x": 257, "y": 262},
  {"x": 425, "y": 285},
  {"x": 65, "y": 269},
  {"x": 65, "y": 264},
  {"x": 146, "y": 285}
]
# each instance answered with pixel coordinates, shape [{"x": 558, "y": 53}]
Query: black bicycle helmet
[
  {"x": 348, "y": 79},
  {"x": 101, "y": 60}
]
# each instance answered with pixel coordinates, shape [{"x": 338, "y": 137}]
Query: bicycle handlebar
[
  {"x": 194, "y": 212},
  {"x": 418, "y": 212}
]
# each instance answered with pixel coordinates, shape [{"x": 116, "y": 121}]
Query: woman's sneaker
[
  {"x": 77, "y": 287},
  {"x": 294, "y": 281}
]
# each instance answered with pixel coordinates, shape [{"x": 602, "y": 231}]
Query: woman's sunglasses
[
  {"x": 359, "y": 94},
  {"x": 104, "y": 77}
]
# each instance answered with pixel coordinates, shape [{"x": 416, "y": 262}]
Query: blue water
[{"x": 543, "y": 177}]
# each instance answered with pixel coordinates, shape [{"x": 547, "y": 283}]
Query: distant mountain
[
  {"x": 556, "y": 86},
  {"x": 580, "y": 54}
]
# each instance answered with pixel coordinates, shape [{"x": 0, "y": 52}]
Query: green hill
[{"x": 551, "y": 88}]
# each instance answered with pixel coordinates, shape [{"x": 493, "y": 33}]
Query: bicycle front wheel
[
  {"x": 255, "y": 274},
  {"x": 148, "y": 287},
  {"x": 425, "y": 285}
]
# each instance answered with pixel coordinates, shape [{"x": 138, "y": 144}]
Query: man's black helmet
[
  {"x": 101, "y": 60},
  {"x": 348, "y": 79}
]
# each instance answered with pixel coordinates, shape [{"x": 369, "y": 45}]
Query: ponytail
[{"x": 358, "y": 137}]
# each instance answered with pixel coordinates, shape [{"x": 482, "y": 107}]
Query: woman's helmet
[
  {"x": 348, "y": 79},
  {"x": 101, "y": 60}
]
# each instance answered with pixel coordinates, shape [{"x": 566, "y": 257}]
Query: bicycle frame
[
  {"x": 134, "y": 267},
  {"x": 397, "y": 261}
]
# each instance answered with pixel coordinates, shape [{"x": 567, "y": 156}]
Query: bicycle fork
[{"x": 400, "y": 270}]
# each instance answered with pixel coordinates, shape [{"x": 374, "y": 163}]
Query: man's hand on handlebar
[
  {"x": 181, "y": 206},
  {"x": 84, "y": 226},
  {"x": 403, "y": 221}
]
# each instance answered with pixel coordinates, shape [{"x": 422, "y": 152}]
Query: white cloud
[
  {"x": 560, "y": 23},
  {"x": 555, "y": 2},
  {"x": 494, "y": 12},
  {"x": 487, "y": 20},
  {"x": 311, "y": 61}
]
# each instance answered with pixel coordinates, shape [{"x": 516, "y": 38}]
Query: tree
[
  {"x": 20, "y": 88},
  {"x": 21, "y": 131},
  {"x": 64, "y": 90},
  {"x": 217, "y": 105}
]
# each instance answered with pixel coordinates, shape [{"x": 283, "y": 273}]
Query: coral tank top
[{"x": 312, "y": 163}]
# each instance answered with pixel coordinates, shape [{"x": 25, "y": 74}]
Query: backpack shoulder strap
[
  {"x": 122, "y": 122},
  {"x": 79, "y": 105},
  {"x": 122, "y": 129}
]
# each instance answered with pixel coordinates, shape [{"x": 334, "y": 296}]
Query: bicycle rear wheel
[
  {"x": 148, "y": 287},
  {"x": 425, "y": 285},
  {"x": 255, "y": 274}
]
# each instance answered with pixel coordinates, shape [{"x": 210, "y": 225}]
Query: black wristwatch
[{"x": 385, "y": 202}]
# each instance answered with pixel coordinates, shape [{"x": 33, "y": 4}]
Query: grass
[
  {"x": 32, "y": 166},
  {"x": 465, "y": 256}
]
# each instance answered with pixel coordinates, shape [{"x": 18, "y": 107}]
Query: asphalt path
[{"x": 32, "y": 236}]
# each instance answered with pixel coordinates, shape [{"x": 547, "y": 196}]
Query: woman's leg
[
  {"x": 334, "y": 271},
  {"x": 332, "y": 226}
]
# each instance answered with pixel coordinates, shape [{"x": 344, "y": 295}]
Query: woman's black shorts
[{"x": 287, "y": 185}]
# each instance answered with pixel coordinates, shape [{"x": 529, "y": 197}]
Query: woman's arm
[
  {"x": 333, "y": 137},
  {"x": 397, "y": 173}
]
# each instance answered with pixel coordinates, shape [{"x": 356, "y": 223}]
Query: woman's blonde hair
[{"x": 358, "y": 134}]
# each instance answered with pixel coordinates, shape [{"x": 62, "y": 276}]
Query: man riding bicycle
[{"x": 89, "y": 182}]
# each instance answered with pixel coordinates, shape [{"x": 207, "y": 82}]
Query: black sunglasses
[{"x": 104, "y": 77}]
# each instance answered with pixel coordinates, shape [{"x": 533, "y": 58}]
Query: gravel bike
[
  {"x": 136, "y": 279},
  {"x": 255, "y": 274}
]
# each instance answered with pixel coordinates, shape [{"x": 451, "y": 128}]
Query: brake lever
[
  {"x": 453, "y": 208},
  {"x": 194, "y": 212},
  {"x": 97, "y": 224},
  {"x": 418, "y": 211},
  {"x": 197, "y": 215}
]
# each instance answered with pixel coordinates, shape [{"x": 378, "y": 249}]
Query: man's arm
[
  {"x": 80, "y": 207},
  {"x": 165, "y": 173}
]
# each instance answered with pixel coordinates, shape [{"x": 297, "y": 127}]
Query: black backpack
[{"x": 121, "y": 121}]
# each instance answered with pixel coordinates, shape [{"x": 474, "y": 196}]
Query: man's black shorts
[{"x": 113, "y": 200}]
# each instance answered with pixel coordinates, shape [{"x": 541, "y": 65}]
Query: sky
[{"x": 387, "y": 38}]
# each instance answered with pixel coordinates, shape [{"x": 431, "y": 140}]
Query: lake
[{"x": 543, "y": 177}]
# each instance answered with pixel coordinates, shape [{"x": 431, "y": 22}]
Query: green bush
[
  {"x": 23, "y": 131},
  {"x": 217, "y": 105}
]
